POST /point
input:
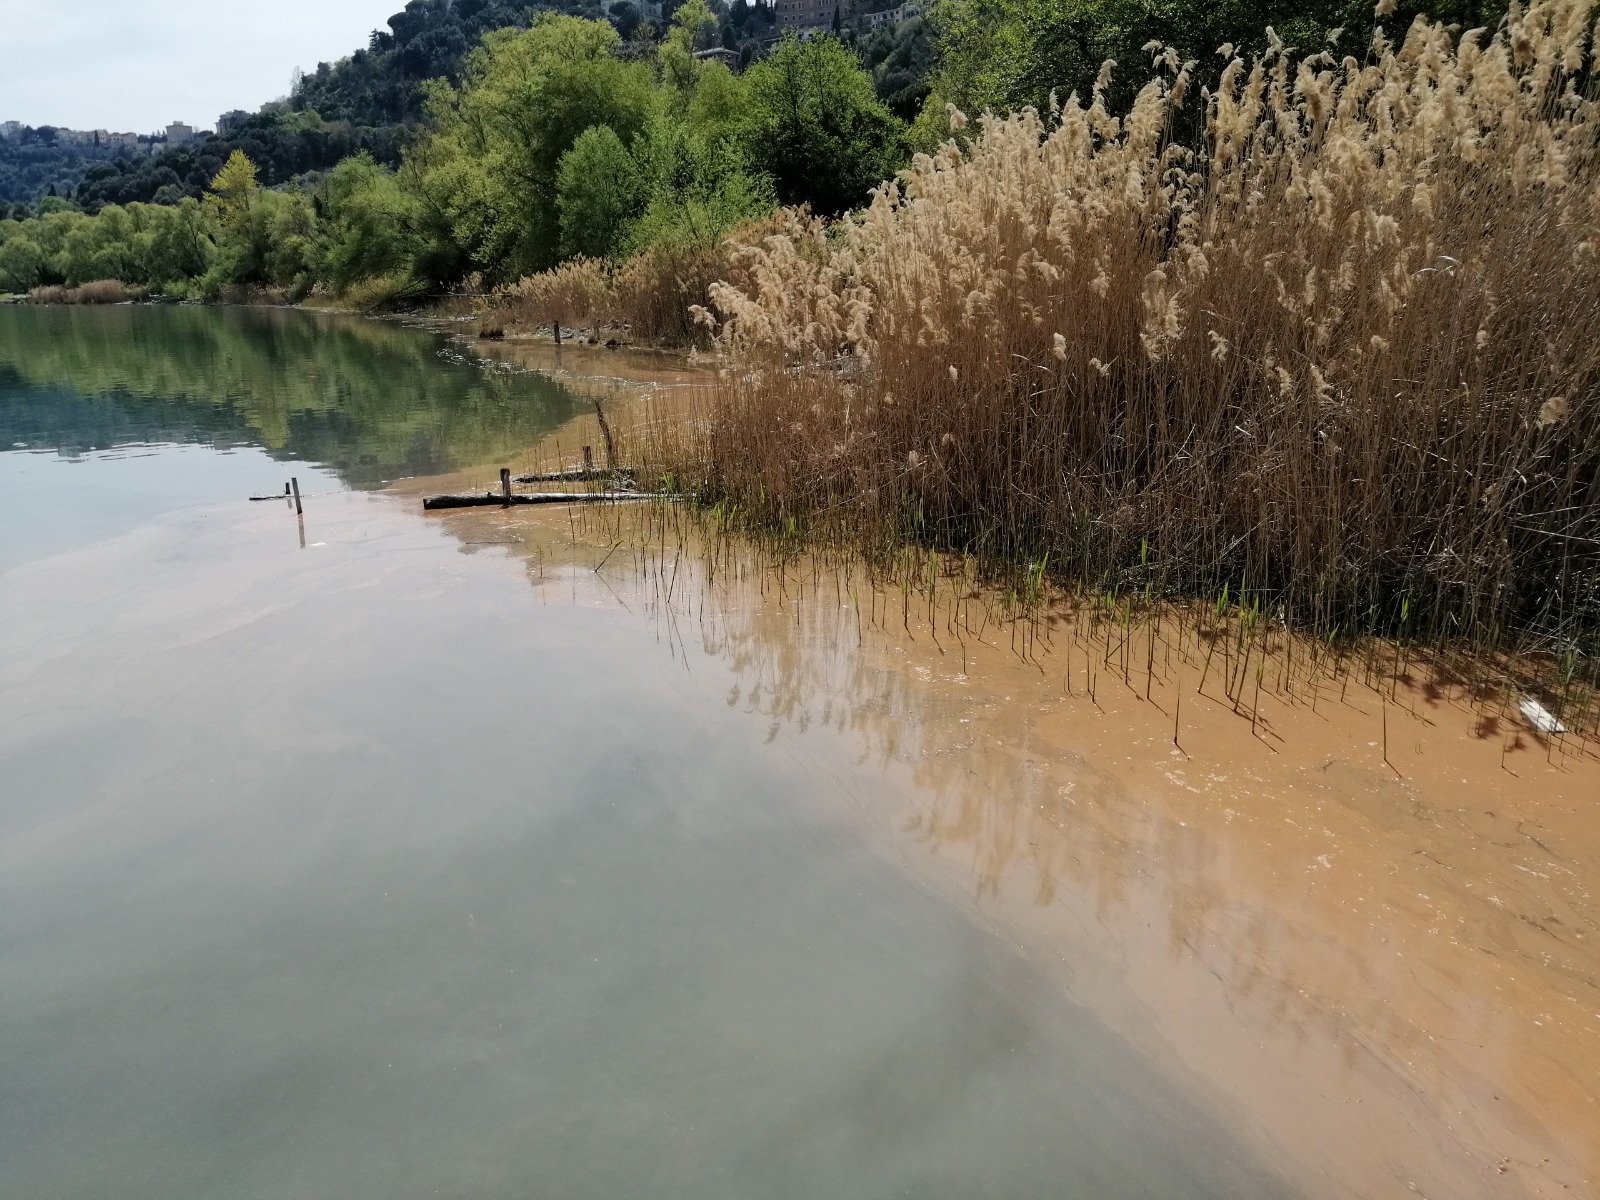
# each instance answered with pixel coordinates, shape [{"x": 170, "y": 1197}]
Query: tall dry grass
[
  {"x": 1341, "y": 357},
  {"x": 97, "y": 291},
  {"x": 650, "y": 297}
]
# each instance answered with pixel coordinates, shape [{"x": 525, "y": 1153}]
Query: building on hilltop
[
  {"x": 178, "y": 133},
  {"x": 13, "y": 131},
  {"x": 813, "y": 14},
  {"x": 810, "y": 15},
  {"x": 229, "y": 121},
  {"x": 892, "y": 16}
]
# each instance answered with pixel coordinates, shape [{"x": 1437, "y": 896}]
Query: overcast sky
[{"x": 135, "y": 65}]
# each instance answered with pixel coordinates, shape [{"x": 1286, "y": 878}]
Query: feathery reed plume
[{"x": 1343, "y": 353}]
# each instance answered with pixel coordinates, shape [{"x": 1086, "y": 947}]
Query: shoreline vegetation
[
  {"x": 1334, "y": 368},
  {"x": 1304, "y": 337}
]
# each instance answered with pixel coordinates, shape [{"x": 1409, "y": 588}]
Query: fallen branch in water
[
  {"x": 576, "y": 475},
  {"x": 498, "y": 499}
]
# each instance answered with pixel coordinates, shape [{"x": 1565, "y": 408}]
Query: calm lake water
[{"x": 367, "y": 869}]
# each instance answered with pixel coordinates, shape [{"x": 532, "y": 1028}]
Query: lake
[{"x": 372, "y": 855}]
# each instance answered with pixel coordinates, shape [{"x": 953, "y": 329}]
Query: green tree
[
  {"x": 20, "y": 263},
  {"x": 693, "y": 28},
  {"x": 369, "y": 224},
  {"x": 234, "y": 189},
  {"x": 700, "y": 187},
  {"x": 103, "y": 247},
  {"x": 181, "y": 247},
  {"x": 600, "y": 191},
  {"x": 1007, "y": 54},
  {"x": 487, "y": 172},
  {"x": 815, "y": 125}
]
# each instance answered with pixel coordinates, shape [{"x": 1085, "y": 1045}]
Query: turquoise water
[{"x": 368, "y": 868}]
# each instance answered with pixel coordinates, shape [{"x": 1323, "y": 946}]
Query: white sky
[{"x": 135, "y": 65}]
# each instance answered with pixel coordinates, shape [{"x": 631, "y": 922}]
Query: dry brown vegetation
[
  {"x": 652, "y": 297},
  {"x": 648, "y": 298},
  {"x": 1338, "y": 361},
  {"x": 99, "y": 291}
]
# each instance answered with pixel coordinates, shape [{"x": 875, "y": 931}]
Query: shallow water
[{"x": 359, "y": 857}]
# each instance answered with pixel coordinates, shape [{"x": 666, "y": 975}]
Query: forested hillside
[
  {"x": 382, "y": 84},
  {"x": 41, "y": 167},
  {"x": 366, "y": 102}
]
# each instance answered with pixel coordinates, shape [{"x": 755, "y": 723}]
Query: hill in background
[{"x": 367, "y": 101}]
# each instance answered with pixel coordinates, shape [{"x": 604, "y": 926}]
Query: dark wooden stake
[
  {"x": 588, "y": 458},
  {"x": 556, "y": 325},
  {"x": 294, "y": 483},
  {"x": 505, "y": 484},
  {"x": 1386, "y": 761}
]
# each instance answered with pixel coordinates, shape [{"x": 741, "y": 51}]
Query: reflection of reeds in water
[
  {"x": 1081, "y": 643},
  {"x": 1085, "y": 640},
  {"x": 1339, "y": 359}
]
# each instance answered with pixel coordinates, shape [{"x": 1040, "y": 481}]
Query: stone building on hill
[
  {"x": 802, "y": 15},
  {"x": 813, "y": 14}
]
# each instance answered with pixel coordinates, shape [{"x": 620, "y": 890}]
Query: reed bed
[
  {"x": 651, "y": 297},
  {"x": 648, "y": 298},
  {"x": 98, "y": 291},
  {"x": 1335, "y": 363}
]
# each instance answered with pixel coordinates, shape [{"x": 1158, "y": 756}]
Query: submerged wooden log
[
  {"x": 577, "y": 475},
  {"x": 498, "y": 499}
]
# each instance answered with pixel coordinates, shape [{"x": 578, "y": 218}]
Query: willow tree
[{"x": 487, "y": 168}]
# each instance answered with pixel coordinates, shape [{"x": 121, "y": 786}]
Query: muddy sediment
[{"x": 1355, "y": 909}]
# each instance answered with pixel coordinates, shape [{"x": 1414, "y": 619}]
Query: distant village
[{"x": 175, "y": 134}]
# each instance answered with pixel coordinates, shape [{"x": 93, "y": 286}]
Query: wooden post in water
[
  {"x": 588, "y": 458},
  {"x": 294, "y": 482},
  {"x": 556, "y": 325},
  {"x": 505, "y": 485}
]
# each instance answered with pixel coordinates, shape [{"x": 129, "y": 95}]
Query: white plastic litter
[{"x": 1540, "y": 717}]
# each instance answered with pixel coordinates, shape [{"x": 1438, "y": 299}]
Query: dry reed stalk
[{"x": 1341, "y": 357}]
